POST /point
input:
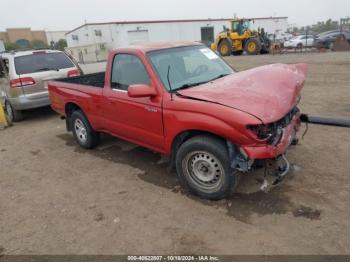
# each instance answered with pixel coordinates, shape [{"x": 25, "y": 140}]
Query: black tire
[
  {"x": 12, "y": 114},
  {"x": 225, "y": 48},
  {"x": 252, "y": 41},
  {"x": 83, "y": 133},
  {"x": 203, "y": 166},
  {"x": 300, "y": 46},
  {"x": 265, "y": 50},
  {"x": 237, "y": 53}
]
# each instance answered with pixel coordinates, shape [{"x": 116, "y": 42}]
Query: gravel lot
[{"x": 56, "y": 198}]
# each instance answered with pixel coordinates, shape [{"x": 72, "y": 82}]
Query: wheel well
[
  {"x": 69, "y": 109},
  {"x": 223, "y": 39},
  {"x": 186, "y": 135}
]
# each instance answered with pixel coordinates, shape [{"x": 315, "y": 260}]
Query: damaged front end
[
  {"x": 277, "y": 168},
  {"x": 274, "y": 139}
]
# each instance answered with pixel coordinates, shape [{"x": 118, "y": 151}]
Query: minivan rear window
[{"x": 41, "y": 62}]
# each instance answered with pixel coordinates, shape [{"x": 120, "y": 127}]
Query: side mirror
[{"x": 141, "y": 90}]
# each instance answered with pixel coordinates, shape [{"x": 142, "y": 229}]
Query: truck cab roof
[{"x": 147, "y": 47}]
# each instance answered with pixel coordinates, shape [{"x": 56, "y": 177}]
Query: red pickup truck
[{"x": 183, "y": 100}]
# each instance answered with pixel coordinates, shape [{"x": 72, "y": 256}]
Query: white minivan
[{"x": 24, "y": 76}]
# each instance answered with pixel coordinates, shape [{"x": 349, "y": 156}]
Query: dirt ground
[{"x": 56, "y": 198}]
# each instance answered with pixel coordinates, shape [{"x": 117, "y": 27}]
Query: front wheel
[
  {"x": 83, "y": 133},
  {"x": 252, "y": 46},
  {"x": 225, "y": 48},
  {"x": 203, "y": 166}
]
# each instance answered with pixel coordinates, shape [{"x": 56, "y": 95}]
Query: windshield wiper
[
  {"x": 191, "y": 85},
  {"x": 200, "y": 83},
  {"x": 219, "y": 76},
  {"x": 47, "y": 69}
]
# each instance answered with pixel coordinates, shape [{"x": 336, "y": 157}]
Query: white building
[
  {"x": 55, "y": 36},
  {"x": 91, "y": 42}
]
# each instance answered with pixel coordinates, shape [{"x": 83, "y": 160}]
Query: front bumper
[
  {"x": 25, "y": 102},
  {"x": 270, "y": 151}
]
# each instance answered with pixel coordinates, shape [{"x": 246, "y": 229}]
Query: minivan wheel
[
  {"x": 83, "y": 133},
  {"x": 13, "y": 115},
  {"x": 203, "y": 166}
]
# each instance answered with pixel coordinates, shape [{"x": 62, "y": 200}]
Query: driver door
[{"x": 136, "y": 119}]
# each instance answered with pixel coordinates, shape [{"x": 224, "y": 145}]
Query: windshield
[
  {"x": 188, "y": 66},
  {"x": 40, "y": 62}
]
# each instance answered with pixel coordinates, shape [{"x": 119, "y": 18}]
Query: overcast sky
[{"x": 68, "y": 14}]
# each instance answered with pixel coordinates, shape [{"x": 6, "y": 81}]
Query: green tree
[
  {"x": 324, "y": 26},
  {"x": 60, "y": 44},
  {"x": 11, "y": 46},
  {"x": 319, "y": 27},
  {"x": 38, "y": 44}
]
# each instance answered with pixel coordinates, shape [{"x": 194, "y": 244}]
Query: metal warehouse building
[{"x": 92, "y": 41}]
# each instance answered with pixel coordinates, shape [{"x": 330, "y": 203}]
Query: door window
[
  {"x": 128, "y": 70},
  {"x": 41, "y": 61}
]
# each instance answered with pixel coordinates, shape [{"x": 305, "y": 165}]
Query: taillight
[
  {"x": 75, "y": 72},
  {"x": 21, "y": 82}
]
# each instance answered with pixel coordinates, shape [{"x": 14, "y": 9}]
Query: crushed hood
[{"x": 267, "y": 92}]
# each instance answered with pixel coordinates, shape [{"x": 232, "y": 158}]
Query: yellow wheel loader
[{"x": 241, "y": 38}]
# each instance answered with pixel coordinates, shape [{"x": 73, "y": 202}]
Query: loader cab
[{"x": 240, "y": 26}]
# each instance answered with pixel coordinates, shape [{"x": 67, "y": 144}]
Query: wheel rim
[
  {"x": 80, "y": 130},
  {"x": 9, "y": 111},
  {"x": 251, "y": 47},
  {"x": 204, "y": 170},
  {"x": 224, "y": 49}
]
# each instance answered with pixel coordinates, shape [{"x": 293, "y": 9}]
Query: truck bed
[{"x": 96, "y": 79}]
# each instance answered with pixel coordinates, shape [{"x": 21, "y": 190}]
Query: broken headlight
[
  {"x": 262, "y": 132},
  {"x": 271, "y": 133}
]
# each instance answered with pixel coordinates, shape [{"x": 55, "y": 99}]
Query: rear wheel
[
  {"x": 225, "y": 48},
  {"x": 83, "y": 133},
  {"x": 203, "y": 166},
  {"x": 252, "y": 46},
  {"x": 13, "y": 115}
]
